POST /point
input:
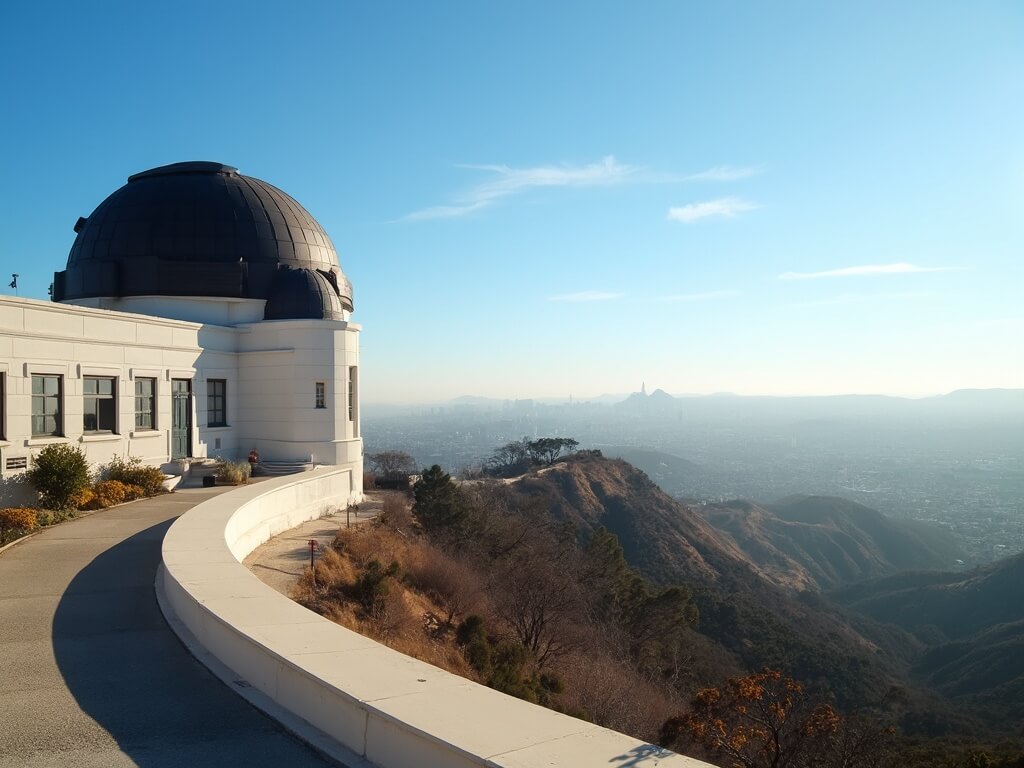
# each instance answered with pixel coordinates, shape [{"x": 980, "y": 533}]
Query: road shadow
[{"x": 130, "y": 673}]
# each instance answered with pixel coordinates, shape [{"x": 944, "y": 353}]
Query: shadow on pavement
[{"x": 129, "y": 672}]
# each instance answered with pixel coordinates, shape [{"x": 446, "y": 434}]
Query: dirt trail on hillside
[{"x": 280, "y": 562}]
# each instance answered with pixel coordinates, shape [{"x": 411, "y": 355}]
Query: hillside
[
  {"x": 972, "y": 625},
  {"x": 673, "y": 474},
  {"x": 742, "y": 608},
  {"x": 944, "y": 606},
  {"x": 824, "y": 542}
]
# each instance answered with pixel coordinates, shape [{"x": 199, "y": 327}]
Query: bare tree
[{"x": 392, "y": 465}]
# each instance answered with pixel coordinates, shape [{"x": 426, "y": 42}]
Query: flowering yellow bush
[
  {"x": 107, "y": 493},
  {"x": 16, "y": 521},
  {"x": 81, "y": 499}
]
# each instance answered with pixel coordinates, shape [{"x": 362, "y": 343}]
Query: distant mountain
[
  {"x": 826, "y": 542},
  {"x": 641, "y": 402},
  {"x": 959, "y": 404},
  {"x": 980, "y": 399}
]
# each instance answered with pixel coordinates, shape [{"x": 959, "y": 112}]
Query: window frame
[
  {"x": 58, "y": 414},
  {"x": 152, "y": 398},
  {"x": 352, "y": 393},
  {"x": 320, "y": 395},
  {"x": 212, "y": 408},
  {"x": 100, "y": 397}
]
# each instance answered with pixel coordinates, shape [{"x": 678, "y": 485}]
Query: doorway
[{"x": 181, "y": 418}]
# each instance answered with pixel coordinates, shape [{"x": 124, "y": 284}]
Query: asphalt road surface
[{"x": 90, "y": 674}]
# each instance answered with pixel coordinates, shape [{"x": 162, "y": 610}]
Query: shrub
[
  {"x": 132, "y": 471},
  {"x": 107, "y": 493},
  {"x": 58, "y": 473},
  {"x": 395, "y": 513},
  {"x": 82, "y": 499},
  {"x": 372, "y": 585},
  {"x": 133, "y": 492},
  {"x": 17, "y": 521},
  {"x": 234, "y": 472}
]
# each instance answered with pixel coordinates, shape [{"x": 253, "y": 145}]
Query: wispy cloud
[
  {"x": 706, "y": 296},
  {"x": 727, "y": 207},
  {"x": 725, "y": 173},
  {"x": 866, "y": 270},
  {"x": 506, "y": 181},
  {"x": 585, "y": 296},
  {"x": 444, "y": 212},
  {"x": 864, "y": 298}
]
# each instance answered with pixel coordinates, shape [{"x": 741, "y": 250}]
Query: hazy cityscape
[{"x": 954, "y": 462}]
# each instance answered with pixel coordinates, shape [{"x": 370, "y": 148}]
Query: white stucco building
[{"x": 201, "y": 313}]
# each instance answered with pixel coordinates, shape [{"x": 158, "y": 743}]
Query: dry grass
[
  {"x": 609, "y": 692},
  {"x": 403, "y": 619},
  {"x": 432, "y": 591}
]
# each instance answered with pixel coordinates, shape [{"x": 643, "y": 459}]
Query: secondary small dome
[
  {"x": 306, "y": 294},
  {"x": 195, "y": 229}
]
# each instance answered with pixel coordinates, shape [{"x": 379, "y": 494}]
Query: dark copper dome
[{"x": 195, "y": 229}]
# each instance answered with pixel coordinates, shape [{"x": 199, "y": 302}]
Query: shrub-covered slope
[{"x": 824, "y": 542}]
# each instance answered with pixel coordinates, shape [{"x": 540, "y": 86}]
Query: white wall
[
  {"x": 279, "y": 364},
  {"x": 270, "y": 369},
  {"x": 38, "y": 337}
]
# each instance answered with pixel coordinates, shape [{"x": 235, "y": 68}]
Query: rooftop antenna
[{"x": 14, "y": 282}]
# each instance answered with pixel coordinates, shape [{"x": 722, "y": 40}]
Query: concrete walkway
[
  {"x": 280, "y": 562},
  {"x": 90, "y": 674}
]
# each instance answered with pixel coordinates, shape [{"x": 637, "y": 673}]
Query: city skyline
[{"x": 536, "y": 201}]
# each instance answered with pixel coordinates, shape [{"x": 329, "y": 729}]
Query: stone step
[{"x": 284, "y": 467}]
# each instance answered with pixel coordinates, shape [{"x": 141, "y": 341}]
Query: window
[
  {"x": 321, "y": 395},
  {"x": 46, "y": 405},
  {"x": 216, "y": 403},
  {"x": 145, "y": 403},
  {"x": 352, "y": 393},
  {"x": 3, "y": 405},
  {"x": 100, "y": 404}
]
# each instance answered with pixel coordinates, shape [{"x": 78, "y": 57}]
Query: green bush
[
  {"x": 234, "y": 472},
  {"x": 131, "y": 471},
  {"x": 58, "y": 473},
  {"x": 372, "y": 585}
]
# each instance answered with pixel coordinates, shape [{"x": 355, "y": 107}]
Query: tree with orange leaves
[{"x": 766, "y": 720}]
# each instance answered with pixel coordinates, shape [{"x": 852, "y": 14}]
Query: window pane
[
  {"x": 89, "y": 386},
  {"x": 37, "y": 385},
  {"x": 105, "y": 386},
  {"x": 106, "y": 415},
  {"x": 50, "y": 384}
]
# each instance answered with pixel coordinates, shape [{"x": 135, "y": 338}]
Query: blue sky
[{"x": 538, "y": 199}]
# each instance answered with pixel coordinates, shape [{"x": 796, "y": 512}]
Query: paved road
[{"x": 90, "y": 674}]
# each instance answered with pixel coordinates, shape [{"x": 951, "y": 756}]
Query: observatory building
[{"x": 202, "y": 313}]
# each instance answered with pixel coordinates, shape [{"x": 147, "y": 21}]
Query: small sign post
[{"x": 313, "y": 546}]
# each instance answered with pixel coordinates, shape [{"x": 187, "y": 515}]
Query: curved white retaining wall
[{"x": 349, "y": 696}]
